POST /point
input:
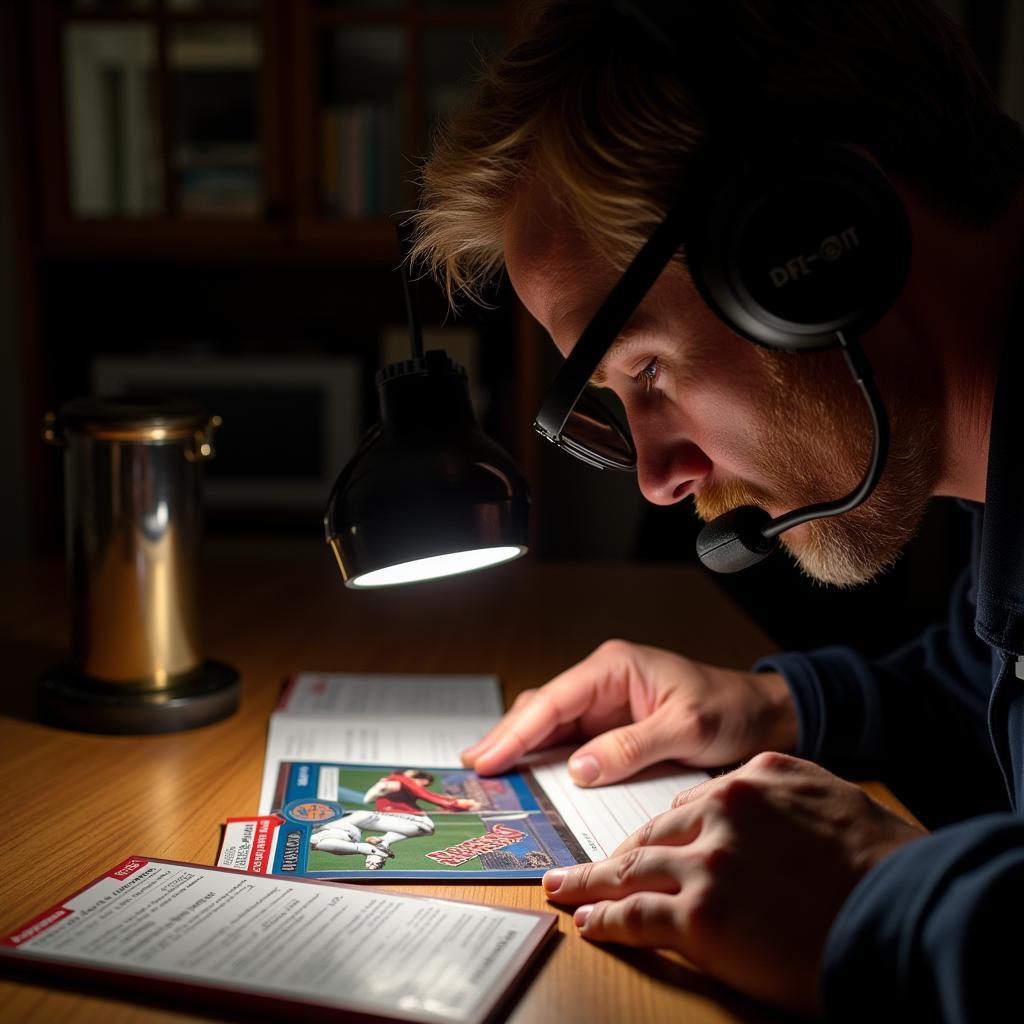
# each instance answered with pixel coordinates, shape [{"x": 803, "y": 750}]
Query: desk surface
[{"x": 74, "y": 804}]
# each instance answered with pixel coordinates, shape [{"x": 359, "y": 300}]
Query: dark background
[{"x": 294, "y": 276}]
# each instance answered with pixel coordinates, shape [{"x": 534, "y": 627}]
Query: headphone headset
[{"x": 795, "y": 246}]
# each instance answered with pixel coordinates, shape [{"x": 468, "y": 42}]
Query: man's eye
[{"x": 648, "y": 376}]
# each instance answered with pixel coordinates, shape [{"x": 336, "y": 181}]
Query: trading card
[{"x": 367, "y": 821}]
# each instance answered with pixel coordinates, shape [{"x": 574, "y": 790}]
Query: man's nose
[{"x": 668, "y": 472}]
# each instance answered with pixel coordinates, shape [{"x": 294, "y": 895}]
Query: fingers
[
  {"x": 535, "y": 717},
  {"x": 526, "y": 729},
  {"x": 692, "y": 811},
  {"x": 470, "y": 753},
  {"x": 701, "y": 790},
  {"x": 645, "y": 919},
  {"x": 619, "y": 753},
  {"x": 676, "y": 827},
  {"x": 600, "y": 695},
  {"x": 644, "y": 869}
]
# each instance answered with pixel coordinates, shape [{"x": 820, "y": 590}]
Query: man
[
  {"x": 402, "y": 791},
  {"x": 344, "y": 835},
  {"x": 397, "y": 814},
  {"x": 778, "y": 877}
]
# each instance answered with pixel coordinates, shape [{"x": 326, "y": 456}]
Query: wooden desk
[{"x": 75, "y": 804}]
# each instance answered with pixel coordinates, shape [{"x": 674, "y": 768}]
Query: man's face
[{"x": 715, "y": 416}]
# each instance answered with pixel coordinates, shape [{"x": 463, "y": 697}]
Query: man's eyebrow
[{"x": 626, "y": 340}]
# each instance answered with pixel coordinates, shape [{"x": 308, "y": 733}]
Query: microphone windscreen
[{"x": 734, "y": 541}]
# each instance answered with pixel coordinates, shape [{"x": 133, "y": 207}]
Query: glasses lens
[{"x": 595, "y": 432}]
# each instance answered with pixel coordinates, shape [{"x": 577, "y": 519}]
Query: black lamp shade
[{"x": 425, "y": 484}]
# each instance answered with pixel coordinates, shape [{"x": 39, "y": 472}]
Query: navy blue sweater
[{"x": 932, "y": 932}]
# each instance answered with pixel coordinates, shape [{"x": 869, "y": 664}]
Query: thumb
[{"x": 619, "y": 753}]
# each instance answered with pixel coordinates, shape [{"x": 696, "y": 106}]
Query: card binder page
[
  {"x": 602, "y": 817},
  {"x": 423, "y": 720}
]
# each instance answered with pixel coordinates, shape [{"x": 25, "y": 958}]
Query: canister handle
[
  {"x": 201, "y": 449},
  {"x": 53, "y": 431}
]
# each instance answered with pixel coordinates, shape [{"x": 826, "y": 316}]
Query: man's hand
[
  {"x": 642, "y": 705},
  {"x": 743, "y": 876}
]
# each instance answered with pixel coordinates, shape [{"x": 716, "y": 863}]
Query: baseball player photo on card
[{"x": 361, "y": 821}]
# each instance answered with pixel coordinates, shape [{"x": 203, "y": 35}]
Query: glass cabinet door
[
  {"x": 164, "y": 108},
  {"x": 295, "y": 121},
  {"x": 386, "y": 72},
  {"x": 216, "y": 151},
  {"x": 364, "y": 120},
  {"x": 111, "y": 106}
]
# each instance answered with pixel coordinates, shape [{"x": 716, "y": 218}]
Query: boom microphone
[{"x": 747, "y": 535}]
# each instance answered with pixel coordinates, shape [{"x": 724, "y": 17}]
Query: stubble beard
[{"x": 817, "y": 442}]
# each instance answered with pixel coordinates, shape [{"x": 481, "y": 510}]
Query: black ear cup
[{"x": 790, "y": 247}]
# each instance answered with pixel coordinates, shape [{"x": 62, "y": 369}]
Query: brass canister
[{"x": 133, "y": 507}]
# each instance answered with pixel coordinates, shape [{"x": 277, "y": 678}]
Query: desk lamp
[{"x": 428, "y": 493}]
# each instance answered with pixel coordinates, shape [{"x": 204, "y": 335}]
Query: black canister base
[{"x": 71, "y": 700}]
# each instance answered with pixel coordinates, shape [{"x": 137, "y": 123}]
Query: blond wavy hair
[{"x": 585, "y": 101}]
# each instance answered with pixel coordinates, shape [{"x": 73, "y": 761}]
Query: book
[
  {"x": 292, "y": 946},
  {"x": 362, "y": 780},
  {"x": 361, "y": 163}
]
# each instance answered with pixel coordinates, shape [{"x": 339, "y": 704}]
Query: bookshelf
[
  {"x": 243, "y": 127},
  {"x": 214, "y": 179}
]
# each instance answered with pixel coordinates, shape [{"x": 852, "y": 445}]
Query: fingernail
[
  {"x": 582, "y": 915},
  {"x": 502, "y": 753},
  {"x": 473, "y": 748},
  {"x": 553, "y": 880},
  {"x": 584, "y": 769}
]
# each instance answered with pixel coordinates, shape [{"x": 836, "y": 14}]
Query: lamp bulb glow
[{"x": 437, "y": 566}]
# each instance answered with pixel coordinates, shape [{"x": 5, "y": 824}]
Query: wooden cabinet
[
  {"x": 216, "y": 180},
  {"x": 284, "y": 128}
]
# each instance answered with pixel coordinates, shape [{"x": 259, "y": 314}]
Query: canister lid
[{"x": 134, "y": 417}]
